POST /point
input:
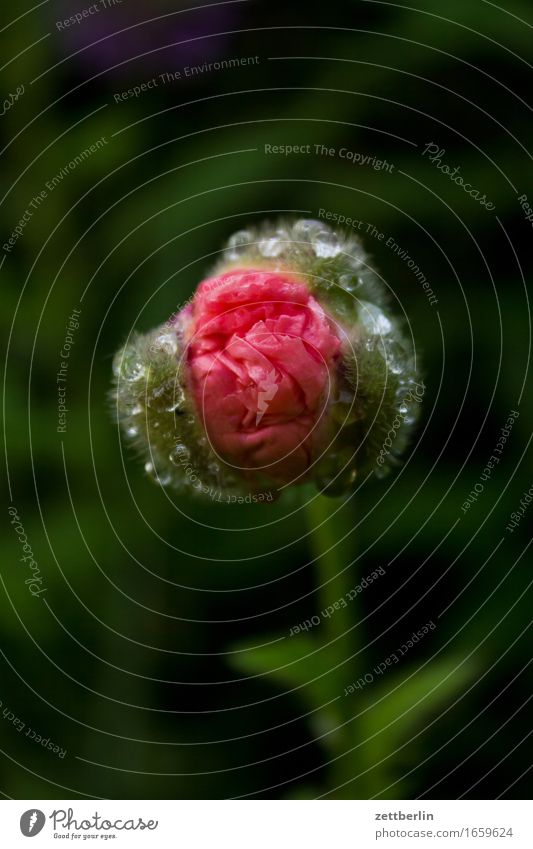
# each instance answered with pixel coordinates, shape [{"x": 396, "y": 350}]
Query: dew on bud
[
  {"x": 135, "y": 371},
  {"x": 271, "y": 247},
  {"x": 166, "y": 343},
  {"x": 344, "y": 396},
  {"x": 355, "y": 254},
  {"x": 126, "y": 407},
  {"x": 305, "y": 228},
  {"x": 179, "y": 453},
  {"x": 373, "y": 381},
  {"x": 128, "y": 365},
  {"x": 374, "y": 319},
  {"x": 394, "y": 366},
  {"x": 274, "y": 246},
  {"x": 177, "y": 400},
  {"x": 349, "y": 282},
  {"x": 396, "y": 357},
  {"x": 117, "y": 363},
  {"x": 165, "y": 398},
  {"x": 326, "y": 243},
  {"x": 238, "y": 244}
]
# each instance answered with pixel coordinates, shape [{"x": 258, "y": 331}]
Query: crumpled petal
[{"x": 261, "y": 355}]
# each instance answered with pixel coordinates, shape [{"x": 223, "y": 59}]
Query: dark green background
[{"x": 135, "y": 661}]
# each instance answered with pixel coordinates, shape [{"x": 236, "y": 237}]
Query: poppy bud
[{"x": 286, "y": 366}]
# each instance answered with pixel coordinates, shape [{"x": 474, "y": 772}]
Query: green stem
[
  {"x": 331, "y": 523},
  {"x": 332, "y": 544}
]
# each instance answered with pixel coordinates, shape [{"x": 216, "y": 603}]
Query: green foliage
[{"x": 161, "y": 587}]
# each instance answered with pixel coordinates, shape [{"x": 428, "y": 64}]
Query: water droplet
[
  {"x": 126, "y": 407},
  {"x": 355, "y": 254},
  {"x": 177, "y": 400},
  {"x": 403, "y": 409},
  {"x": 133, "y": 371},
  {"x": 117, "y": 363},
  {"x": 136, "y": 410},
  {"x": 344, "y": 396},
  {"x": 271, "y": 247},
  {"x": 132, "y": 431},
  {"x": 156, "y": 399},
  {"x": 394, "y": 366},
  {"x": 128, "y": 366},
  {"x": 238, "y": 244},
  {"x": 349, "y": 282},
  {"x": 305, "y": 228},
  {"x": 163, "y": 478},
  {"x": 165, "y": 398},
  {"x": 397, "y": 357},
  {"x": 167, "y": 344},
  {"x": 179, "y": 454},
  {"x": 326, "y": 243},
  {"x": 374, "y": 319}
]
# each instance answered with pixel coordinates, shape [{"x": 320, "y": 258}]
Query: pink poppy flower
[{"x": 261, "y": 355}]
